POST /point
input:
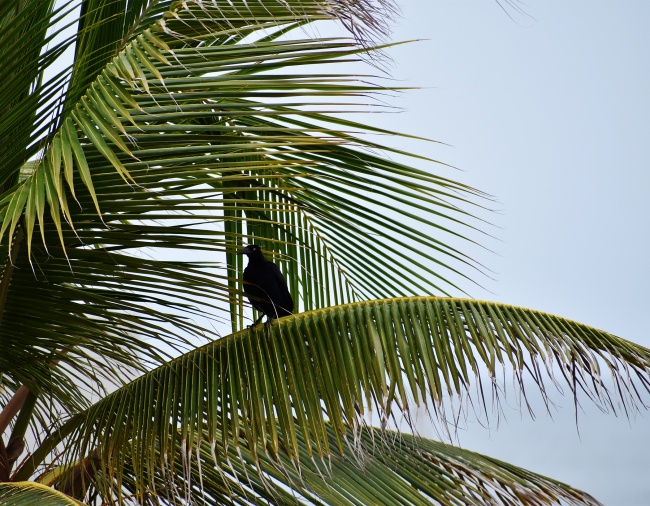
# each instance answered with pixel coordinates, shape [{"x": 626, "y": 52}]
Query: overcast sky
[{"x": 550, "y": 113}]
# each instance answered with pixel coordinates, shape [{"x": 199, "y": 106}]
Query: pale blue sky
[{"x": 550, "y": 113}]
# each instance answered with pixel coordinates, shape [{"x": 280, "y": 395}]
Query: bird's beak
[{"x": 242, "y": 251}]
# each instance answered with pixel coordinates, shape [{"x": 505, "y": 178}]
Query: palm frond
[
  {"x": 105, "y": 27},
  {"x": 23, "y": 33},
  {"x": 35, "y": 35},
  {"x": 274, "y": 388},
  {"x": 375, "y": 467},
  {"x": 30, "y": 493}
]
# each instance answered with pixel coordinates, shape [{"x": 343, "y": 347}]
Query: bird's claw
[{"x": 267, "y": 323}]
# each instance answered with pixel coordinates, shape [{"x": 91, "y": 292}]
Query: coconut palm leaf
[
  {"x": 23, "y": 33},
  {"x": 300, "y": 387},
  {"x": 30, "y": 493},
  {"x": 376, "y": 467}
]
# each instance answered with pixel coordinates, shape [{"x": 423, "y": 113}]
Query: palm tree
[{"x": 129, "y": 179}]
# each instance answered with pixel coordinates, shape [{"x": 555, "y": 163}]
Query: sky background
[{"x": 549, "y": 112}]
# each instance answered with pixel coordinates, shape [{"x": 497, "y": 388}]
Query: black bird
[{"x": 265, "y": 285}]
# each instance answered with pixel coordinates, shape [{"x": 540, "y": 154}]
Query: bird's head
[{"x": 251, "y": 251}]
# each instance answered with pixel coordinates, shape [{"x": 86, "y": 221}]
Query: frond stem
[
  {"x": 14, "y": 405},
  {"x": 24, "y": 417}
]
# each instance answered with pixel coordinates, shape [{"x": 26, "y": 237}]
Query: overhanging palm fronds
[
  {"x": 194, "y": 138},
  {"x": 205, "y": 105},
  {"x": 312, "y": 376}
]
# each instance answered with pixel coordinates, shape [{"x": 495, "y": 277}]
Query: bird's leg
[{"x": 256, "y": 321}]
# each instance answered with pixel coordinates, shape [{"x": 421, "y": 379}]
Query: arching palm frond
[{"x": 300, "y": 388}]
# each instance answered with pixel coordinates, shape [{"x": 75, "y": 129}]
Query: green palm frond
[
  {"x": 35, "y": 34},
  {"x": 105, "y": 27},
  {"x": 375, "y": 467},
  {"x": 30, "y": 493},
  {"x": 280, "y": 390},
  {"x": 23, "y": 32}
]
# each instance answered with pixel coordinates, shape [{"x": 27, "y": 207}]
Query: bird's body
[{"x": 265, "y": 285}]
